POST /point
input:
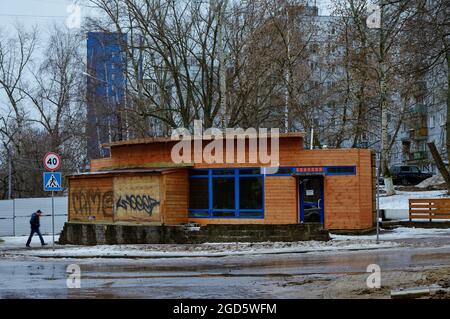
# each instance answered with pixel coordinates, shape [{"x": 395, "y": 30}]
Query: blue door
[{"x": 311, "y": 199}]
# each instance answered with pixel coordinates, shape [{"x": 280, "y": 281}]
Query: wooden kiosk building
[{"x": 139, "y": 184}]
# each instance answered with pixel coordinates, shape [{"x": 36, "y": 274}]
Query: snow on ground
[
  {"x": 14, "y": 246},
  {"x": 400, "y": 200},
  {"x": 203, "y": 250},
  {"x": 20, "y": 241},
  {"x": 396, "y": 234}
]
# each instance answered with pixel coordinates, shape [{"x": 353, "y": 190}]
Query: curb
[{"x": 211, "y": 255}]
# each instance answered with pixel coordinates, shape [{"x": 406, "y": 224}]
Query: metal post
[
  {"x": 378, "y": 158},
  {"x": 53, "y": 220},
  {"x": 14, "y": 218},
  {"x": 9, "y": 172}
]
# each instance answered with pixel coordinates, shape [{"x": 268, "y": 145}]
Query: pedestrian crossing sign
[{"x": 52, "y": 181}]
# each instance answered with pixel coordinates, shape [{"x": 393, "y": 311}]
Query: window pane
[
  {"x": 223, "y": 193},
  {"x": 250, "y": 192},
  {"x": 250, "y": 171},
  {"x": 274, "y": 170},
  {"x": 341, "y": 170},
  {"x": 198, "y": 193},
  {"x": 203, "y": 172},
  {"x": 284, "y": 170},
  {"x": 198, "y": 214},
  {"x": 250, "y": 214},
  {"x": 224, "y": 214},
  {"x": 223, "y": 172}
]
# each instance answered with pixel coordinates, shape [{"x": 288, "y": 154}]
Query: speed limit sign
[{"x": 52, "y": 161}]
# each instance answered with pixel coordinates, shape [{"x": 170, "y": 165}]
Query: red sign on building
[{"x": 310, "y": 169}]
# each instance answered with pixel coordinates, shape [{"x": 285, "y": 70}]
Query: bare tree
[
  {"x": 57, "y": 90},
  {"x": 44, "y": 110},
  {"x": 16, "y": 51},
  {"x": 382, "y": 46},
  {"x": 429, "y": 41},
  {"x": 172, "y": 56}
]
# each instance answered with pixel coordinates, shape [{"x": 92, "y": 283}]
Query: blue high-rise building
[{"x": 105, "y": 90}]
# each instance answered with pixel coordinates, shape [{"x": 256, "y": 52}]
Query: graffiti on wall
[
  {"x": 139, "y": 203},
  {"x": 137, "y": 198},
  {"x": 92, "y": 201}
]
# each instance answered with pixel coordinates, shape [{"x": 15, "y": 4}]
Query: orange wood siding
[
  {"x": 348, "y": 199},
  {"x": 142, "y": 154},
  {"x": 175, "y": 194},
  {"x": 91, "y": 198},
  {"x": 341, "y": 199},
  {"x": 97, "y": 164},
  {"x": 280, "y": 200},
  {"x": 137, "y": 198},
  {"x": 290, "y": 149}
]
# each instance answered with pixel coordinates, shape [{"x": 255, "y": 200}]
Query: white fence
[{"x": 15, "y": 215}]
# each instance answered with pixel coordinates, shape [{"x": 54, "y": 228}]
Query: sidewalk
[
  {"x": 16, "y": 247},
  {"x": 400, "y": 237}
]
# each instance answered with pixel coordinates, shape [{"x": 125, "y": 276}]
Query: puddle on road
[{"x": 262, "y": 276}]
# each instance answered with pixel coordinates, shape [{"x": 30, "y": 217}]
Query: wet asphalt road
[{"x": 307, "y": 275}]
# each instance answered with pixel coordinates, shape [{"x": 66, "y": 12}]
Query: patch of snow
[
  {"x": 435, "y": 180},
  {"x": 20, "y": 241},
  {"x": 398, "y": 233},
  {"x": 400, "y": 199},
  {"x": 194, "y": 250},
  {"x": 338, "y": 243}
]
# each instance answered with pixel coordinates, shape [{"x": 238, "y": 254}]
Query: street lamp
[{"x": 373, "y": 21}]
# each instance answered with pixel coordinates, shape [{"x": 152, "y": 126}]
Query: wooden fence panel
[{"x": 429, "y": 208}]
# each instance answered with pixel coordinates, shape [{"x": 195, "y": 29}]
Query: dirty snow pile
[
  {"x": 13, "y": 246},
  {"x": 436, "y": 180},
  {"x": 398, "y": 233},
  {"x": 197, "y": 250}
]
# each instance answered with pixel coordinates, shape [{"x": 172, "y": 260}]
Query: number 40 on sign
[{"x": 52, "y": 161}]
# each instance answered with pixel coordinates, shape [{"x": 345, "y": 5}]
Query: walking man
[{"x": 35, "y": 224}]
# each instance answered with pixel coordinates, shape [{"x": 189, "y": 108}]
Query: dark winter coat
[{"x": 34, "y": 221}]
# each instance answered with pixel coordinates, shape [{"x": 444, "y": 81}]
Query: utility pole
[
  {"x": 10, "y": 187},
  {"x": 9, "y": 172},
  {"x": 378, "y": 161}
]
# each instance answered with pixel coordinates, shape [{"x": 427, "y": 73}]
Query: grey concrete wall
[
  {"x": 15, "y": 215},
  {"x": 100, "y": 234}
]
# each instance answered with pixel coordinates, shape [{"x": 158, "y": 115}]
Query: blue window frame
[
  {"x": 238, "y": 192},
  {"x": 340, "y": 170},
  {"x": 222, "y": 196},
  {"x": 279, "y": 171},
  {"x": 327, "y": 170}
]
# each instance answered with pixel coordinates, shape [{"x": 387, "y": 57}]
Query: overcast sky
[
  {"x": 31, "y": 12},
  {"x": 45, "y": 12}
]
